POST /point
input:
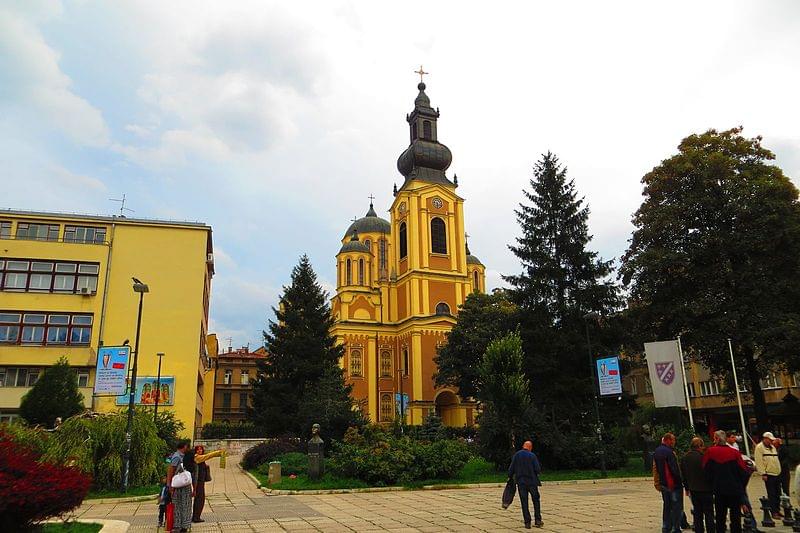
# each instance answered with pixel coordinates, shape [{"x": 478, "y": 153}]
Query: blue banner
[
  {"x": 111, "y": 373},
  {"x": 608, "y": 376}
]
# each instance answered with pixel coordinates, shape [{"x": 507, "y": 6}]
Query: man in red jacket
[{"x": 728, "y": 475}]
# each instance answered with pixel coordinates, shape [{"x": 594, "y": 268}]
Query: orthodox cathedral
[{"x": 400, "y": 283}]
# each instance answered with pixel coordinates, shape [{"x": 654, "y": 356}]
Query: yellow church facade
[{"x": 400, "y": 283}]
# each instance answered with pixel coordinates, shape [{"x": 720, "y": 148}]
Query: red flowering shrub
[{"x": 31, "y": 491}]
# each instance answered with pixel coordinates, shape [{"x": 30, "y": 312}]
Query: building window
[
  {"x": 427, "y": 131},
  {"x": 245, "y": 378},
  {"x": 84, "y": 234},
  {"x": 633, "y": 387},
  {"x": 709, "y": 388},
  {"x": 19, "y": 377},
  {"x": 83, "y": 378},
  {"x": 405, "y": 361},
  {"x": 5, "y": 229},
  {"x": 438, "y": 236},
  {"x": 361, "y": 271},
  {"x": 37, "y": 231},
  {"x": 382, "y": 254},
  {"x": 227, "y": 378},
  {"x": 226, "y": 400},
  {"x": 442, "y": 309},
  {"x": 8, "y": 418},
  {"x": 403, "y": 241},
  {"x": 387, "y": 407},
  {"x": 45, "y": 329},
  {"x": 26, "y": 275},
  {"x": 243, "y": 401},
  {"x": 368, "y": 244},
  {"x": 692, "y": 393},
  {"x": 648, "y": 387},
  {"x": 475, "y": 286},
  {"x": 771, "y": 381},
  {"x": 413, "y": 132},
  {"x": 386, "y": 364},
  {"x": 348, "y": 273},
  {"x": 356, "y": 368}
]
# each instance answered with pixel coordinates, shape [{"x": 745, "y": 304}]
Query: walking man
[
  {"x": 670, "y": 484},
  {"x": 525, "y": 470},
  {"x": 728, "y": 474},
  {"x": 769, "y": 466},
  {"x": 698, "y": 488}
]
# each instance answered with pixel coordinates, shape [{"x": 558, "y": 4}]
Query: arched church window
[
  {"x": 403, "y": 241},
  {"x": 348, "y": 273},
  {"x": 356, "y": 363},
  {"x": 442, "y": 309},
  {"x": 413, "y": 132},
  {"x": 387, "y": 407},
  {"x": 427, "y": 132},
  {"x": 368, "y": 244},
  {"x": 438, "y": 236},
  {"x": 382, "y": 254},
  {"x": 405, "y": 361},
  {"x": 475, "y": 286},
  {"x": 361, "y": 271},
  {"x": 386, "y": 364}
]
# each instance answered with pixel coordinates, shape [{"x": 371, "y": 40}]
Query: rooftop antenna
[
  {"x": 230, "y": 344},
  {"x": 122, "y": 207}
]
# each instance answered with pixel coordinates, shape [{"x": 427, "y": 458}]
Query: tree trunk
[{"x": 759, "y": 404}]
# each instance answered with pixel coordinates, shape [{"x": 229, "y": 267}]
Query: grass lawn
[
  {"x": 147, "y": 490},
  {"x": 69, "y": 527},
  {"x": 475, "y": 471}
]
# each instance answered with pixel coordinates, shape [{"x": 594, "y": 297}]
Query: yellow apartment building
[{"x": 66, "y": 290}]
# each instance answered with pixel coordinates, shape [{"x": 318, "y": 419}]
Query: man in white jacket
[{"x": 769, "y": 466}]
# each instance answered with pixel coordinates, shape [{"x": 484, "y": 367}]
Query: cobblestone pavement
[{"x": 235, "y": 505}]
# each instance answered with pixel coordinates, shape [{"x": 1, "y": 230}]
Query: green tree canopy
[
  {"x": 482, "y": 318},
  {"x": 55, "y": 394},
  {"x": 561, "y": 281},
  {"x": 302, "y": 365},
  {"x": 716, "y": 254}
]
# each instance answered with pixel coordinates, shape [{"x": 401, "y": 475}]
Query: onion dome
[
  {"x": 471, "y": 259},
  {"x": 354, "y": 245},
  {"x": 370, "y": 223},
  {"x": 425, "y": 159}
]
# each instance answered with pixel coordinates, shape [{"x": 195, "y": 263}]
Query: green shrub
[
  {"x": 270, "y": 449},
  {"x": 169, "y": 428},
  {"x": 231, "y": 430},
  {"x": 34, "y": 439}
]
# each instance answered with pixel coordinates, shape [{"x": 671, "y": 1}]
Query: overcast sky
[{"x": 273, "y": 121}]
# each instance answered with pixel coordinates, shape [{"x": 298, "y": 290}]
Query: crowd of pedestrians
[{"x": 715, "y": 479}]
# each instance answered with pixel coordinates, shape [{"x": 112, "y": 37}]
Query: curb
[
  {"x": 109, "y": 526},
  {"x": 129, "y": 499},
  {"x": 253, "y": 478}
]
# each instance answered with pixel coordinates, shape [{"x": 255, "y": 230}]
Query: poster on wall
[
  {"x": 608, "y": 376},
  {"x": 148, "y": 388},
  {"x": 110, "y": 377}
]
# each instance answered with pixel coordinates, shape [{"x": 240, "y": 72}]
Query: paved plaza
[{"x": 234, "y": 505}]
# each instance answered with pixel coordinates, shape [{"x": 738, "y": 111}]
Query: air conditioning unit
[
  {"x": 209, "y": 258},
  {"x": 86, "y": 291}
]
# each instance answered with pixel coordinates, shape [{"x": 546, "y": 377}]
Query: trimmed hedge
[
  {"x": 231, "y": 430},
  {"x": 269, "y": 450}
]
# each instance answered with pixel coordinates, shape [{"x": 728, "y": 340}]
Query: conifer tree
[
  {"x": 301, "y": 367},
  {"x": 55, "y": 394},
  {"x": 561, "y": 281}
]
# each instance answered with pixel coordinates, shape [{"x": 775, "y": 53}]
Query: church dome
[
  {"x": 472, "y": 260},
  {"x": 370, "y": 223},
  {"x": 354, "y": 245},
  {"x": 424, "y": 154}
]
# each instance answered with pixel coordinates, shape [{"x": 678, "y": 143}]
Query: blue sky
[{"x": 273, "y": 121}]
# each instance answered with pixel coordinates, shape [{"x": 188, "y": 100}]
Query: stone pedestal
[{"x": 274, "y": 475}]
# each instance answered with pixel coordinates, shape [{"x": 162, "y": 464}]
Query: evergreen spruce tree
[
  {"x": 300, "y": 381},
  {"x": 55, "y": 394},
  {"x": 561, "y": 281}
]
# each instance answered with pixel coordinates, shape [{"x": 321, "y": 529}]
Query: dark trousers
[
  {"x": 773, "y": 484},
  {"x": 785, "y": 473},
  {"x": 162, "y": 509},
  {"x": 533, "y": 490},
  {"x": 723, "y": 503},
  {"x": 199, "y": 500},
  {"x": 703, "y": 511},
  {"x": 672, "y": 511}
]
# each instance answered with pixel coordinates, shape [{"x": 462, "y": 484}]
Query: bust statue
[{"x": 316, "y": 454}]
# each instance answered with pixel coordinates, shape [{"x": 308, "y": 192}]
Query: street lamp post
[
  {"x": 599, "y": 429},
  {"x": 158, "y": 387},
  {"x": 140, "y": 288}
]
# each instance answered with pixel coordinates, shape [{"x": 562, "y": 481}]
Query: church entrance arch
[{"x": 447, "y": 408}]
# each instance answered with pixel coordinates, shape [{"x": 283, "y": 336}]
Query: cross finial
[
  {"x": 421, "y": 73},
  {"x": 353, "y": 219},
  {"x": 371, "y": 198}
]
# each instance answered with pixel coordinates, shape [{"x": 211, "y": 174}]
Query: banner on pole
[
  {"x": 608, "y": 376},
  {"x": 663, "y": 364},
  {"x": 148, "y": 388},
  {"x": 111, "y": 372}
]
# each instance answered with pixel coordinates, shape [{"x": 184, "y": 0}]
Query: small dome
[
  {"x": 354, "y": 246},
  {"x": 472, "y": 260},
  {"x": 370, "y": 223}
]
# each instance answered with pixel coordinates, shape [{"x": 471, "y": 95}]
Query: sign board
[
  {"x": 146, "y": 387},
  {"x": 608, "y": 376},
  {"x": 401, "y": 403},
  {"x": 110, "y": 377}
]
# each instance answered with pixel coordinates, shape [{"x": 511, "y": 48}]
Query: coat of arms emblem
[{"x": 666, "y": 372}]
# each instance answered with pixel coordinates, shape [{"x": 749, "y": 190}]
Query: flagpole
[
  {"x": 685, "y": 384},
  {"x": 739, "y": 401}
]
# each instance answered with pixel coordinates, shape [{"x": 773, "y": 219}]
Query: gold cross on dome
[{"x": 421, "y": 73}]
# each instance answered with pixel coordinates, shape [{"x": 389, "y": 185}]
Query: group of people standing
[
  {"x": 188, "y": 501},
  {"x": 715, "y": 478}
]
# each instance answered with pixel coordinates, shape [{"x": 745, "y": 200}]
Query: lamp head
[{"x": 139, "y": 286}]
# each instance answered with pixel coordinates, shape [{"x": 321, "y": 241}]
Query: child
[{"x": 163, "y": 500}]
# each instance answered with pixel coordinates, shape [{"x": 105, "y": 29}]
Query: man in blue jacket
[
  {"x": 525, "y": 469},
  {"x": 670, "y": 484}
]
